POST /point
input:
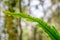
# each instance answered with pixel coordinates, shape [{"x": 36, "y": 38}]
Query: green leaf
[{"x": 50, "y": 30}]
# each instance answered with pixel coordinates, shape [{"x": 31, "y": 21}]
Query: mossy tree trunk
[{"x": 9, "y": 21}]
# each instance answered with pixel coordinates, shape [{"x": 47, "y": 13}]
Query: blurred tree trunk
[
  {"x": 0, "y": 36},
  {"x": 40, "y": 35},
  {"x": 35, "y": 31},
  {"x": 9, "y": 21},
  {"x": 19, "y": 20}
]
